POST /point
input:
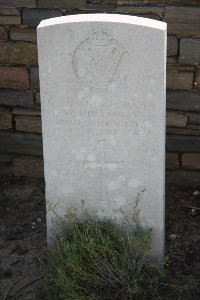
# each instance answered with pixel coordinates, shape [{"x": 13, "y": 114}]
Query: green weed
[{"x": 97, "y": 259}]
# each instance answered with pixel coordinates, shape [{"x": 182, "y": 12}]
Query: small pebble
[
  {"x": 18, "y": 229},
  {"x": 39, "y": 220},
  {"x": 173, "y": 236},
  {"x": 195, "y": 193},
  {"x": 17, "y": 260}
]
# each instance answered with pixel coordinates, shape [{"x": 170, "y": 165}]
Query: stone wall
[{"x": 20, "y": 122}]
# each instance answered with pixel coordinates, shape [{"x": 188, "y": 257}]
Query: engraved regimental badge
[{"x": 100, "y": 62}]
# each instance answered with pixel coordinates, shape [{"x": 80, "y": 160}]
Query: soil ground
[{"x": 23, "y": 239}]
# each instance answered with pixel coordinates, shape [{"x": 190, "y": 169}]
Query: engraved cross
[{"x": 104, "y": 165}]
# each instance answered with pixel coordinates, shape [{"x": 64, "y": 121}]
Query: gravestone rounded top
[{"x": 115, "y": 18}]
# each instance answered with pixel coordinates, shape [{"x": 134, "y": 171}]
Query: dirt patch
[
  {"x": 183, "y": 238},
  {"x": 23, "y": 239}
]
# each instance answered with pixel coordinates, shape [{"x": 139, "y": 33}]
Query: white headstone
[{"x": 102, "y": 80}]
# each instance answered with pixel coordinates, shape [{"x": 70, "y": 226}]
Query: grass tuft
[{"x": 97, "y": 259}]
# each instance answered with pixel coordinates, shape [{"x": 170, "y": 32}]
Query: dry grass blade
[{"x": 7, "y": 291}]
